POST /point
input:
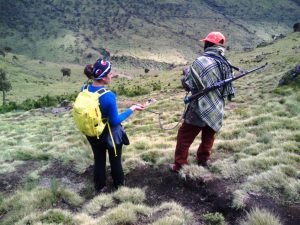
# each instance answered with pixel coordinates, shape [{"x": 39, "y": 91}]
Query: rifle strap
[{"x": 222, "y": 58}]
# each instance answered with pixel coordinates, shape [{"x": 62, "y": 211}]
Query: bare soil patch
[{"x": 10, "y": 182}]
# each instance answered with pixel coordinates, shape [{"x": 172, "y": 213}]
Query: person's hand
[
  {"x": 185, "y": 71},
  {"x": 138, "y": 107}
]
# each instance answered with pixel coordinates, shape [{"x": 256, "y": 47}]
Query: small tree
[
  {"x": 66, "y": 72},
  {"x": 5, "y": 85}
]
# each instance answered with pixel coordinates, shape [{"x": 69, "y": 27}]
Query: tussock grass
[
  {"x": 125, "y": 206},
  {"x": 9, "y": 167},
  {"x": 25, "y": 202},
  {"x": 98, "y": 203},
  {"x": 261, "y": 217},
  {"x": 133, "y": 195},
  {"x": 84, "y": 219},
  {"x": 126, "y": 213},
  {"x": 240, "y": 198},
  {"x": 174, "y": 214},
  {"x": 132, "y": 163},
  {"x": 276, "y": 183},
  {"x": 194, "y": 172},
  {"x": 51, "y": 216},
  {"x": 122, "y": 195}
]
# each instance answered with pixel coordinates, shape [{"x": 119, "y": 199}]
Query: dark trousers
[
  {"x": 99, "y": 148},
  {"x": 185, "y": 137}
]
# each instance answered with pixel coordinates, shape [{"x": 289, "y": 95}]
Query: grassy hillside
[
  {"x": 46, "y": 163},
  {"x": 164, "y": 31}
]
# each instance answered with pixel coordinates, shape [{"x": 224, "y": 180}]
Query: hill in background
[{"x": 163, "y": 31}]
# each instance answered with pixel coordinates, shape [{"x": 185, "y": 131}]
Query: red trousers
[{"x": 185, "y": 137}]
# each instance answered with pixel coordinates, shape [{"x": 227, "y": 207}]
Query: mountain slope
[
  {"x": 164, "y": 31},
  {"x": 46, "y": 164}
]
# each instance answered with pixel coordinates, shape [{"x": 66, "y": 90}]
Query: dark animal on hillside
[
  {"x": 296, "y": 27},
  {"x": 66, "y": 72},
  {"x": 7, "y": 49}
]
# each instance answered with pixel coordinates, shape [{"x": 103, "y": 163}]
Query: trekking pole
[{"x": 219, "y": 84}]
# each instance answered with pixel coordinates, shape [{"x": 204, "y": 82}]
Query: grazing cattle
[{"x": 66, "y": 72}]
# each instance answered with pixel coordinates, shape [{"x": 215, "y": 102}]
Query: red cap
[{"x": 215, "y": 37}]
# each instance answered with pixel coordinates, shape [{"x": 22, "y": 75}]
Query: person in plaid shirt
[{"x": 205, "y": 113}]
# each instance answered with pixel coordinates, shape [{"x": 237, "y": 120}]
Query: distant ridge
[{"x": 164, "y": 31}]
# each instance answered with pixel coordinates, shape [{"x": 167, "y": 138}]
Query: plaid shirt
[{"x": 204, "y": 72}]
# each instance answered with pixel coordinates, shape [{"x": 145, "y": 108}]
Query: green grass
[
  {"x": 22, "y": 203},
  {"x": 52, "y": 216},
  {"x": 261, "y": 217},
  {"x": 257, "y": 149},
  {"x": 214, "y": 219}
]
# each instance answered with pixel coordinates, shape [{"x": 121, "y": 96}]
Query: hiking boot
[
  {"x": 174, "y": 168},
  {"x": 102, "y": 190},
  {"x": 203, "y": 164}
]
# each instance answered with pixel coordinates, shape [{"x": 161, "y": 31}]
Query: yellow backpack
[{"x": 87, "y": 115}]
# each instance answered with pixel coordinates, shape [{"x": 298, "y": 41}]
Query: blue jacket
[{"x": 109, "y": 110}]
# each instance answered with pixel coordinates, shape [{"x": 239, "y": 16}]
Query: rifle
[{"x": 219, "y": 84}]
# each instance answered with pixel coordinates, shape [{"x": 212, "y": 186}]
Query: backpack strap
[
  {"x": 84, "y": 87},
  {"x": 112, "y": 139},
  {"x": 101, "y": 92}
]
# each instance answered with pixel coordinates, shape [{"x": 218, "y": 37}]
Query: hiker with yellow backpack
[{"x": 95, "y": 113}]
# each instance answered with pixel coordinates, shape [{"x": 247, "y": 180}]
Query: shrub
[
  {"x": 131, "y": 91},
  {"x": 45, "y": 101},
  {"x": 56, "y": 217},
  {"x": 214, "y": 219},
  {"x": 156, "y": 86}
]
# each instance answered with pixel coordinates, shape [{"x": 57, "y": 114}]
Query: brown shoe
[
  {"x": 174, "y": 168},
  {"x": 202, "y": 162}
]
